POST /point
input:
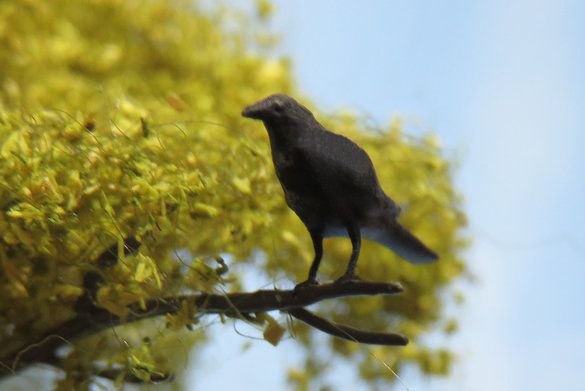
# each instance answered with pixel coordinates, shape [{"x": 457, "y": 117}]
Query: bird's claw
[
  {"x": 347, "y": 278},
  {"x": 305, "y": 284}
]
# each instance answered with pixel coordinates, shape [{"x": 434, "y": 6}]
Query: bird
[{"x": 331, "y": 184}]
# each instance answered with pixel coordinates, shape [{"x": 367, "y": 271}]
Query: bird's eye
[{"x": 279, "y": 108}]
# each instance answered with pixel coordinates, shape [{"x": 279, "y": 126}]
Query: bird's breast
[{"x": 294, "y": 175}]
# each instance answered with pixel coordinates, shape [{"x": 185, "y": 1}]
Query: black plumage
[{"x": 331, "y": 184}]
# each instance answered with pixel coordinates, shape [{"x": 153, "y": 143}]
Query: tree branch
[
  {"x": 346, "y": 332},
  {"x": 95, "y": 319},
  {"x": 234, "y": 304}
]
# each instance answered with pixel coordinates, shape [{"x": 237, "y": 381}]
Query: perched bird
[{"x": 331, "y": 184}]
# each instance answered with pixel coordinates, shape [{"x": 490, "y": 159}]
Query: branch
[
  {"x": 234, "y": 304},
  {"x": 95, "y": 319},
  {"x": 346, "y": 332},
  {"x": 114, "y": 375}
]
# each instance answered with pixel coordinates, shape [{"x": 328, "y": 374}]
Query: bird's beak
[
  {"x": 256, "y": 110},
  {"x": 249, "y": 112}
]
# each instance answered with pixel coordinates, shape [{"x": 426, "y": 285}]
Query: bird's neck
[
  {"x": 283, "y": 135},
  {"x": 292, "y": 131}
]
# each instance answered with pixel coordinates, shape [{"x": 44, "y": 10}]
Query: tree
[{"x": 120, "y": 124}]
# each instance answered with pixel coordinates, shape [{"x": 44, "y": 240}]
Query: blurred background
[{"x": 502, "y": 83}]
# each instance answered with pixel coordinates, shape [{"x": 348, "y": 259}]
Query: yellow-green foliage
[{"x": 122, "y": 118}]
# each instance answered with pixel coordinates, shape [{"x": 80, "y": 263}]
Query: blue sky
[{"x": 503, "y": 85}]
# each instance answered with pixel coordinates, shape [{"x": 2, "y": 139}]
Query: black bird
[{"x": 331, "y": 184}]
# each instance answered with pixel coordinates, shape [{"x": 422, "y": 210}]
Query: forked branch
[{"x": 94, "y": 319}]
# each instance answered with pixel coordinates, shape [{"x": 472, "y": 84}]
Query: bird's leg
[
  {"x": 318, "y": 247},
  {"x": 317, "y": 237},
  {"x": 356, "y": 241}
]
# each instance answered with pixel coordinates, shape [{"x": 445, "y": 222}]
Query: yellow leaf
[
  {"x": 142, "y": 272},
  {"x": 68, "y": 291},
  {"x": 289, "y": 237},
  {"x": 176, "y": 102},
  {"x": 273, "y": 333},
  {"x": 242, "y": 184},
  {"x": 109, "y": 299},
  {"x": 205, "y": 209}
]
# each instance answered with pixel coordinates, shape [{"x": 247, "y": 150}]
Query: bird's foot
[
  {"x": 347, "y": 277},
  {"x": 305, "y": 284}
]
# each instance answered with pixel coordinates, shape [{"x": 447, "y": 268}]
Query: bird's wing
[
  {"x": 340, "y": 164},
  {"x": 351, "y": 179}
]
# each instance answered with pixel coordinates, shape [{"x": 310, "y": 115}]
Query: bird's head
[{"x": 277, "y": 108}]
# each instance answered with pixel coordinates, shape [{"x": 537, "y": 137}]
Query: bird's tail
[{"x": 401, "y": 241}]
